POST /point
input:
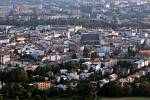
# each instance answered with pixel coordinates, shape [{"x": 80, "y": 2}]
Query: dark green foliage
[
  {"x": 114, "y": 89},
  {"x": 131, "y": 53},
  {"x": 15, "y": 75},
  {"x": 93, "y": 55},
  {"x": 86, "y": 52},
  {"x": 37, "y": 97},
  {"x": 42, "y": 70},
  {"x": 122, "y": 67},
  {"x": 141, "y": 87},
  {"x": 14, "y": 90},
  {"x": 74, "y": 56},
  {"x": 71, "y": 65}
]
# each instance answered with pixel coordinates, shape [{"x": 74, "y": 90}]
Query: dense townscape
[{"x": 81, "y": 49}]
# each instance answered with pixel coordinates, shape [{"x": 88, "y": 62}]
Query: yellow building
[{"x": 43, "y": 85}]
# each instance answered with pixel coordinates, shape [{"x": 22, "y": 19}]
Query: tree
[
  {"x": 86, "y": 52},
  {"x": 85, "y": 67},
  {"x": 143, "y": 89},
  {"x": 122, "y": 67},
  {"x": 28, "y": 95},
  {"x": 127, "y": 90},
  {"x": 111, "y": 89},
  {"x": 16, "y": 51},
  {"x": 15, "y": 75},
  {"x": 1, "y": 98},
  {"x": 95, "y": 77},
  {"x": 55, "y": 68},
  {"x": 2, "y": 77},
  {"x": 12, "y": 90},
  {"x": 74, "y": 56},
  {"x": 93, "y": 55},
  {"x": 102, "y": 65},
  {"x": 17, "y": 98},
  {"x": 85, "y": 90},
  {"x": 37, "y": 97},
  {"x": 21, "y": 75},
  {"x": 45, "y": 97},
  {"x": 131, "y": 53},
  {"x": 42, "y": 70},
  {"x": 71, "y": 65}
]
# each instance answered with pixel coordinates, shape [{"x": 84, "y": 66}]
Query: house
[
  {"x": 4, "y": 57},
  {"x": 107, "y": 70},
  {"x": 95, "y": 67},
  {"x": 142, "y": 73},
  {"x": 90, "y": 39},
  {"x": 43, "y": 85},
  {"x": 62, "y": 86},
  {"x": 57, "y": 78},
  {"x": 141, "y": 63},
  {"x": 63, "y": 71},
  {"x": 85, "y": 75},
  {"x": 63, "y": 77},
  {"x": 86, "y": 65},
  {"x": 93, "y": 85},
  {"x": 73, "y": 76},
  {"x": 30, "y": 67},
  {"x": 103, "y": 82},
  {"x": 36, "y": 53},
  {"x": 4, "y": 39},
  {"x": 113, "y": 77},
  {"x": 145, "y": 53},
  {"x": 43, "y": 58},
  {"x": 135, "y": 76},
  {"x": 55, "y": 57},
  {"x": 130, "y": 79},
  {"x": 20, "y": 38},
  {"x": 73, "y": 84},
  {"x": 34, "y": 37}
]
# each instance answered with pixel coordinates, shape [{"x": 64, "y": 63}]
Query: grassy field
[
  {"x": 126, "y": 98},
  {"x": 60, "y": 99}
]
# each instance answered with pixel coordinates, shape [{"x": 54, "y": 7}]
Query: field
[{"x": 126, "y": 98}]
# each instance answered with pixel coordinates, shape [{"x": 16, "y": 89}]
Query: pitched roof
[{"x": 87, "y": 37}]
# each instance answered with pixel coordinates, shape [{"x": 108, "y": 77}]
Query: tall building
[{"x": 41, "y": 5}]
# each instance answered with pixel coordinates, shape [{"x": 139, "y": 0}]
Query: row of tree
[{"x": 140, "y": 87}]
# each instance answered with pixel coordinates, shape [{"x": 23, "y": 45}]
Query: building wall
[
  {"x": 4, "y": 59},
  {"x": 43, "y": 85}
]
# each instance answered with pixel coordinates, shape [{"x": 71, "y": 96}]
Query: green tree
[
  {"x": 42, "y": 70},
  {"x": 85, "y": 90},
  {"x": 15, "y": 75},
  {"x": 111, "y": 89},
  {"x": 17, "y": 98},
  {"x": 74, "y": 56},
  {"x": 93, "y": 55},
  {"x": 28, "y": 95},
  {"x": 37, "y": 97},
  {"x": 131, "y": 53},
  {"x": 86, "y": 52},
  {"x": 45, "y": 97},
  {"x": 127, "y": 90},
  {"x": 55, "y": 68},
  {"x": 1, "y": 98},
  {"x": 71, "y": 65}
]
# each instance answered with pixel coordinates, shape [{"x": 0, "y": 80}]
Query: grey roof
[{"x": 86, "y": 37}]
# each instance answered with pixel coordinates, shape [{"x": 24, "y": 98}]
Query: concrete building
[
  {"x": 43, "y": 85},
  {"x": 4, "y": 58}
]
